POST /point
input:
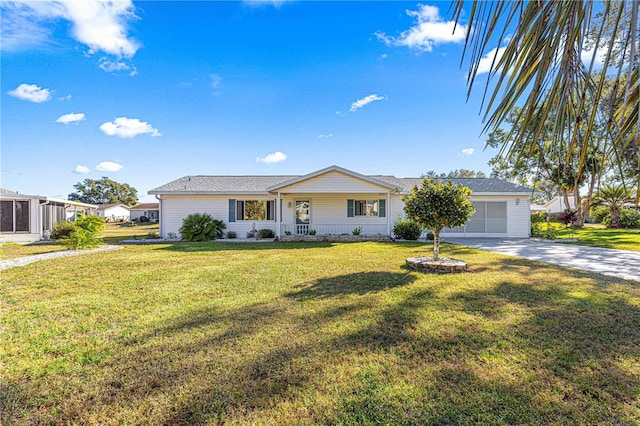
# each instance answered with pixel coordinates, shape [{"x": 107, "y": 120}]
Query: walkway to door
[{"x": 617, "y": 263}]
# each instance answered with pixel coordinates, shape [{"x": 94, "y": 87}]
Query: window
[
  {"x": 14, "y": 216},
  {"x": 374, "y": 208},
  {"x": 255, "y": 210},
  {"x": 366, "y": 207}
]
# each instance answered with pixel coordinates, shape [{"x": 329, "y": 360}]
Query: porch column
[
  {"x": 278, "y": 215},
  {"x": 389, "y": 214}
]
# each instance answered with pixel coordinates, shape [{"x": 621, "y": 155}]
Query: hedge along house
[
  {"x": 333, "y": 200},
  {"x": 27, "y": 218}
]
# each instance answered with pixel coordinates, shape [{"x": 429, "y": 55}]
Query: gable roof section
[
  {"x": 228, "y": 185},
  {"x": 330, "y": 169}
]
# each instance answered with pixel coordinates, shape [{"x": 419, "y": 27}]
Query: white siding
[
  {"x": 519, "y": 217},
  {"x": 176, "y": 207},
  {"x": 328, "y": 213},
  {"x": 114, "y": 213},
  {"x": 333, "y": 182}
]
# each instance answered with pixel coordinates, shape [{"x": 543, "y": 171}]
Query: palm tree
[
  {"x": 536, "y": 50},
  {"x": 613, "y": 196}
]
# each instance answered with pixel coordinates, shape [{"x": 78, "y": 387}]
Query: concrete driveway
[{"x": 617, "y": 263}]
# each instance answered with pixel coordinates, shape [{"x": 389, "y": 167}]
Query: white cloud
[
  {"x": 261, "y": 3},
  {"x": 365, "y": 101},
  {"x": 108, "y": 65},
  {"x": 428, "y": 30},
  {"x": 31, "y": 93},
  {"x": 102, "y": 26},
  {"x": 20, "y": 27},
  {"x": 124, "y": 127},
  {"x": 216, "y": 80},
  {"x": 325, "y": 136},
  {"x": 467, "y": 152},
  {"x": 484, "y": 66},
  {"x": 70, "y": 118},
  {"x": 272, "y": 158},
  {"x": 81, "y": 170},
  {"x": 65, "y": 98},
  {"x": 109, "y": 166}
]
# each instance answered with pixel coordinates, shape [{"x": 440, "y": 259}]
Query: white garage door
[{"x": 490, "y": 218}]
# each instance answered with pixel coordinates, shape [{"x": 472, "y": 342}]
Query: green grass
[
  {"x": 113, "y": 234},
  {"x": 314, "y": 333},
  {"x": 599, "y": 236},
  {"x": 15, "y": 250}
]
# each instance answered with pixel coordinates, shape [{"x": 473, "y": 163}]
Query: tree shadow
[
  {"x": 421, "y": 356},
  {"x": 359, "y": 283}
]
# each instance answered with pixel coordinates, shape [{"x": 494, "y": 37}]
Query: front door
[{"x": 303, "y": 215}]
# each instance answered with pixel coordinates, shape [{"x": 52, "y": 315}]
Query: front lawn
[
  {"x": 600, "y": 236},
  {"x": 314, "y": 333}
]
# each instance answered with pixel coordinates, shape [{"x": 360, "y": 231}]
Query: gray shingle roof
[
  {"x": 259, "y": 184},
  {"x": 478, "y": 185}
]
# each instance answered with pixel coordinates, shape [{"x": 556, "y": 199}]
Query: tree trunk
[
  {"x": 577, "y": 200},
  {"x": 586, "y": 209},
  {"x": 436, "y": 244},
  {"x": 615, "y": 218}
]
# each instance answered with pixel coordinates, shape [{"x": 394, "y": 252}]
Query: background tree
[
  {"x": 462, "y": 173},
  {"x": 436, "y": 205},
  {"x": 104, "y": 191},
  {"x": 613, "y": 196},
  {"x": 535, "y": 49}
]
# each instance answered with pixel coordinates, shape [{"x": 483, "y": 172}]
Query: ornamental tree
[{"x": 436, "y": 205}]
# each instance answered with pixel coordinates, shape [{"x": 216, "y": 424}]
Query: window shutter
[
  {"x": 232, "y": 210},
  {"x": 350, "y": 208},
  {"x": 382, "y": 208},
  {"x": 271, "y": 206}
]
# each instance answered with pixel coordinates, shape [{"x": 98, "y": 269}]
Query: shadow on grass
[
  {"x": 404, "y": 354},
  {"x": 359, "y": 283}
]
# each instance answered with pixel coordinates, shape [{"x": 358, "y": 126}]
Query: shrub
[
  {"x": 406, "y": 229},
  {"x": 266, "y": 233},
  {"x": 538, "y": 230},
  {"x": 86, "y": 232},
  {"x": 143, "y": 219},
  {"x": 430, "y": 236},
  {"x": 357, "y": 230},
  {"x": 312, "y": 232},
  {"x": 62, "y": 230},
  {"x": 153, "y": 236},
  {"x": 539, "y": 217},
  {"x": 201, "y": 227},
  {"x": 231, "y": 235},
  {"x": 599, "y": 213},
  {"x": 629, "y": 218}
]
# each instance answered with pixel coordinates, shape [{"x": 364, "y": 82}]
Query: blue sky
[{"x": 147, "y": 92}]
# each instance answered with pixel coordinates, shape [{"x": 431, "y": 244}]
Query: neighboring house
[
  {"x": 25, "y": 218},
  {"x": 556, "y": 205},
  {"x": 113, "y": 212},
  {"x": 150, "y": 210},
  {"x": 332, "y": 201}
]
